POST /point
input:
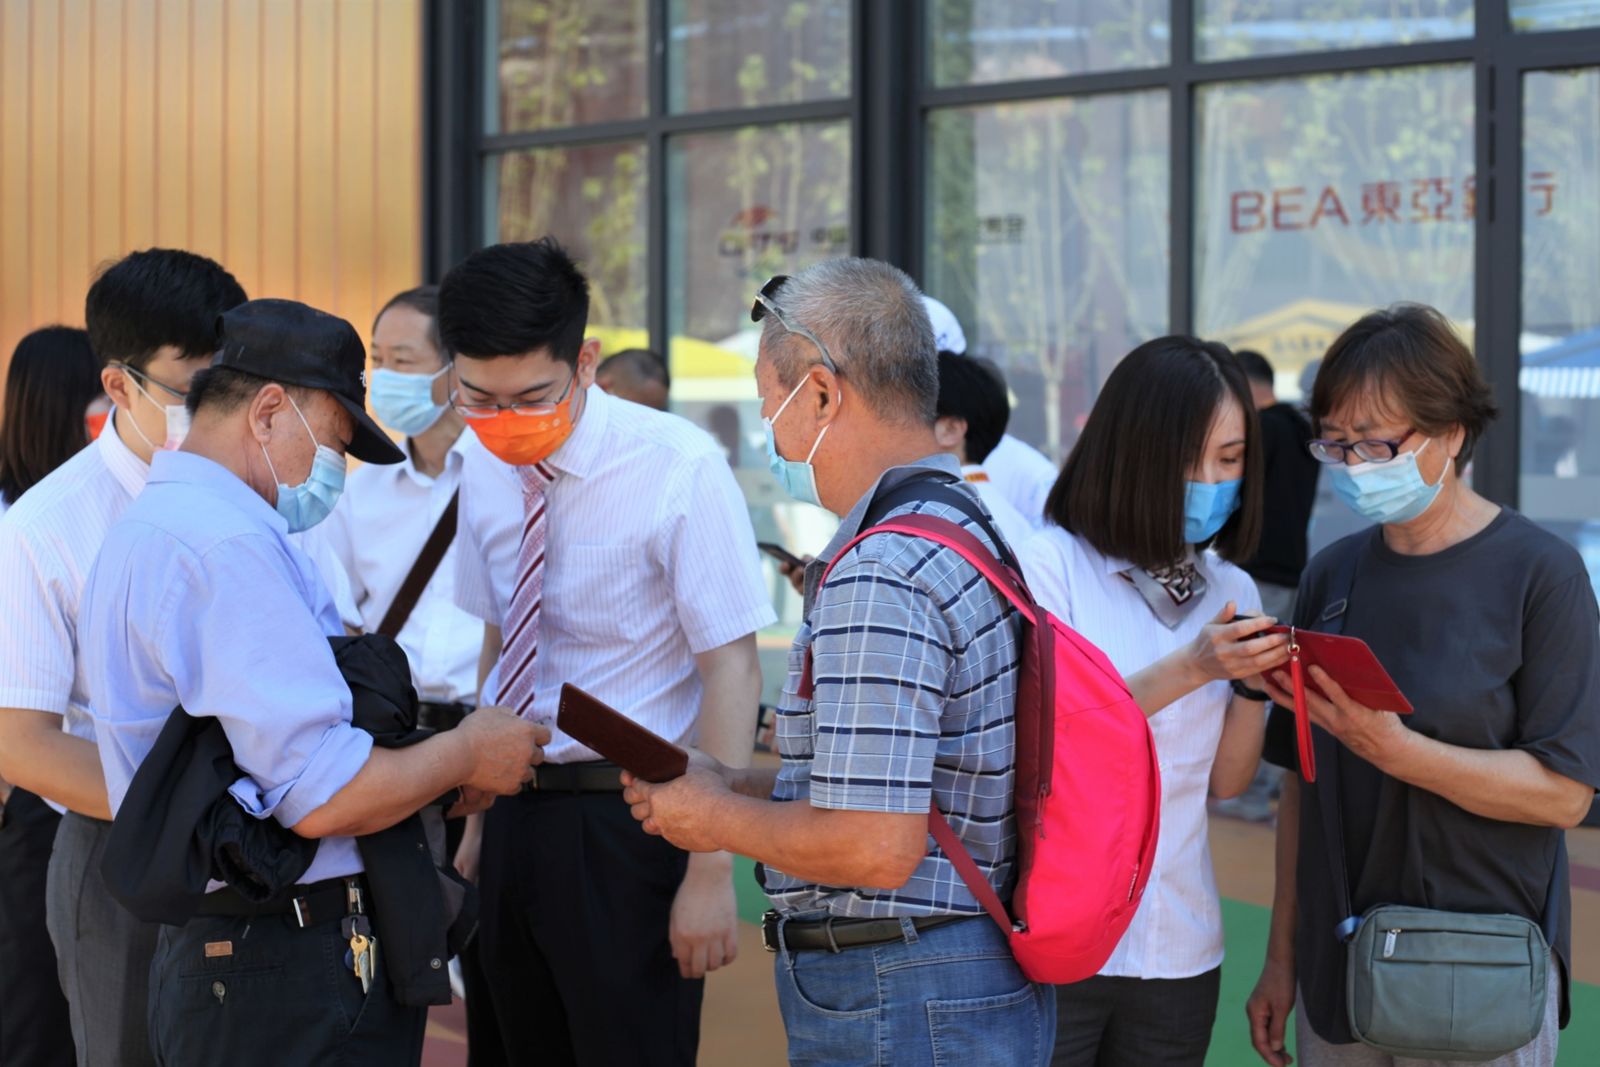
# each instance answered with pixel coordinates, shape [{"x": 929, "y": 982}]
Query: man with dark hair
[
  {"x": 972, "y": 414},
  {"x": 151, "y": 319},
  {"x": 607, "y": 546},
  {"x": 636, "y": 374},
  {"x": 1290, "y": 490},
  {"x": 200, "y": 601}
]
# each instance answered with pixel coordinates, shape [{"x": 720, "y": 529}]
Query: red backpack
[{"x": 1088, "y": 789}]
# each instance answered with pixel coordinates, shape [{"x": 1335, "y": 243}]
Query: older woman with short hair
[{"x": 1488, "y": 625}]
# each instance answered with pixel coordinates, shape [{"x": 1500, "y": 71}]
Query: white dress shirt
[
  {"x": 1177, "y": 931},
  {"x": 651, "y": 560},
  {"x": 1024, "y": 475},
  {"x": 382, "y": 520},
  {"x": 48, "y": 542},
  {"x": 1013, "y": 527}
]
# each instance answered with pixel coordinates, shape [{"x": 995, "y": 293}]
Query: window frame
[{"x": 888, "y": 109}]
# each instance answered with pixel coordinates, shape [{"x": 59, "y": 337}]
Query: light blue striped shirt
[{"x": 199, "y": 598}]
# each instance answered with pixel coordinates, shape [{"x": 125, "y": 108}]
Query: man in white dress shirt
[
  {"x": 605, "y": 545},
  {"x": 971, "y": 416},
  {"x": 1021, "y": 473},
  {"x": 152, "y": 319}
]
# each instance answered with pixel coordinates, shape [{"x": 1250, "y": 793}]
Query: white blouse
[{"x": 1177, "y": 932}]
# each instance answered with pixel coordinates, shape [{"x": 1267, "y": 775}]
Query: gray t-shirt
[{"x": 1496, "y": 643}]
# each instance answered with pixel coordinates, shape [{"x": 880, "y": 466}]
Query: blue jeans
[{"x": 951, "y": 996}]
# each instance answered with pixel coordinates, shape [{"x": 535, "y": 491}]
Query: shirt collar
[
  {"x": 579, "y": 453},
  {"x": 187, "y": 468},
  {"x": 851, "y": 524},
  {"x": 129, "y": 470},
  {"x": 453, "y": 458}
]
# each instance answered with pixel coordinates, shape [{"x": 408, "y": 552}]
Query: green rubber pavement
[{"x": 1246, "y": 926}]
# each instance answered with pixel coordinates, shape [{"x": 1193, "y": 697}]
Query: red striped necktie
[{"x": 521, "y": 646}]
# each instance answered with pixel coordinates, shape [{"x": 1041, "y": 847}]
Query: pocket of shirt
[{"x": 601, "y": 592}]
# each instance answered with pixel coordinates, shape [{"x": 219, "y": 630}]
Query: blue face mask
[
  {"x": 1388, "y": 492},
  {"x": 1207, "y": 507},
  {"x": 798, "y": 479},
  {"x": 405, "y": 401},
  {"x": 303, "y": 506}
]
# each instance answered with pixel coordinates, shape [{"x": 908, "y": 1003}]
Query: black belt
[
  {"x": 441, "y": 717},
  {"x": 317, "y": 902},
  {"x": 592, "y": 777},
  {"x": 836, "y": 935}
]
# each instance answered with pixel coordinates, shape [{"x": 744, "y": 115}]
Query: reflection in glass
[
  {"x": 1529, "y": 15},
  {"x": 567, "y": 62},
  {"x": 1231, "y": 29},
  {"x": 591, "y": 199},
  {"x": 743, "y": 205},
  {"x": 1560, "y": 377},
  {"x": 972, "y": 42},
  {"x": 1318, "y": 199},
  {"x": 1047, "y": 236},
  {"x": 752, "y": 53}
]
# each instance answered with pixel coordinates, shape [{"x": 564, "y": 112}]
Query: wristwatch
[{"x": 1248, "y": 693}]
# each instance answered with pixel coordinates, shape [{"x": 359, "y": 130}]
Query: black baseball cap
[{"x": 292, "y": 343}]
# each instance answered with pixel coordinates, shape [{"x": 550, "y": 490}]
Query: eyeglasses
[
  {"x": 766, "y": 304},
  {"x": 1372, "y": 450},
  {"x": 489, "y": 411},
  {"x": 176, "y": 394}
]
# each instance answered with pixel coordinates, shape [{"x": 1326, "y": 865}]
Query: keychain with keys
[{"x": 362, "y": 957}]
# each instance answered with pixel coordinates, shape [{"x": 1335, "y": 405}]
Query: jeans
[{"x": 951, "y": 996}]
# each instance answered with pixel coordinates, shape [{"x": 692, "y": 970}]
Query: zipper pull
[{"x": 1388, "y": 943}]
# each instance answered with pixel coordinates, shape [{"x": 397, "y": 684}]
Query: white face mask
[{"x": 177, "y": 418}]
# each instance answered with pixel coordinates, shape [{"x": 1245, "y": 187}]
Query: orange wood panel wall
[{"x": 281, "y": 137}]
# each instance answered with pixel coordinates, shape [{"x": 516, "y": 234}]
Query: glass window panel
[
  {"x": 753, "y": 53},
  {"x": 1047, "y": 234},
  {"x": 972, "y": 42},
  {"x": 1318, "y": 199},
  {"x": 566, "y": 63},
  {"x": 1560, "y": 377},
  {"x": 592, "y": 200},
  {"x": 1231, "y": 29},
  {"x": 1528, "y": 15},
  {"x": 744, "y": 205}
]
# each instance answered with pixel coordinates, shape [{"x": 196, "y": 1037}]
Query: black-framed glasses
[
  {"x": 177, "y": 394},
  {"x": 532, "y": 410},
  {"x": 1372, "y": 450},
  {"x": 766, "y": 304}
]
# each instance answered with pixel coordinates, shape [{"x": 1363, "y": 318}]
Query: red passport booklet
[
  {"x": 1348, "y": 661},
  {"x": 618, "y": 738}
]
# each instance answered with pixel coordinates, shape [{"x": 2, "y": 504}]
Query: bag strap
[
  {"x": 940, "y": 487},
  {"x": 433, "y": 550},
  {"x": 1329, "y": 804}
]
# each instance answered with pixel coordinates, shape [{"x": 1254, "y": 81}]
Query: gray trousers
[
  {"x": 1540, "y": 1052},
  {"x": 102, "y": 951}
]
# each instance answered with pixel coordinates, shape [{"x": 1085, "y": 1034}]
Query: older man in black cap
[{"x": 200, "y": 600}]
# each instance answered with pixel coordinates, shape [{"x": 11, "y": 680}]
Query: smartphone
[{"x": 781, "y": 554}]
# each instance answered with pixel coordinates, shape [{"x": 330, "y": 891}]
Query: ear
[
  {"x": 950, "y": 432},
  {"x": 826, "y": 391},
  {"x": 270, "y": 401},
  {"x": 588, "y": 360},
  {"x": 115, "y": 382}
]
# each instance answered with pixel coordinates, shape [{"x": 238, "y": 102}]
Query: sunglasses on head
[{"x": 766, "y": 303}]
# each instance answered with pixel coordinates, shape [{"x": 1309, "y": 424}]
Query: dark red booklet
[
  {"x": 1351, "y": 663},
  {"x": 618, "y": 738}
]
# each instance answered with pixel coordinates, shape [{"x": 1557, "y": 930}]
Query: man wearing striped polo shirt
[{"x": 883, "y": 956}]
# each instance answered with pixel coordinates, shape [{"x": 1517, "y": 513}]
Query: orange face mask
[
  {"x": 95, "y": 423},
  {"x": 523, "y": 440}
]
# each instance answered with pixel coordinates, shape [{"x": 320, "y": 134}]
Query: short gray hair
[{"x": 871, "y": 317}]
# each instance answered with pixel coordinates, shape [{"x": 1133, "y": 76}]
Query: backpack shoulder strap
[
  {"x": 1331, "y": 621},
  {"x": 941, "y": 487}
]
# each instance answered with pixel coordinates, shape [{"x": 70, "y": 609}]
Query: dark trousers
[
  {"x": 576, "y": 901},
  {"x": 261, "y": 991},
  {"x": 1136, "y": 1022},
  {"x": 34, "y": 1027}
]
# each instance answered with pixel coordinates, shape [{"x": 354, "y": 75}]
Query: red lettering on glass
[
  {"x": 1248, "y": 204},
  {"x": 1544, "y": 181},
  {"x": 1429, "y": 199},
  {"x": 1284, "y": 203},
  {"x": 1380, "y": 201},
  {"x": 1329, "y": 204},
  {"x": 1469, "y": 197}
]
